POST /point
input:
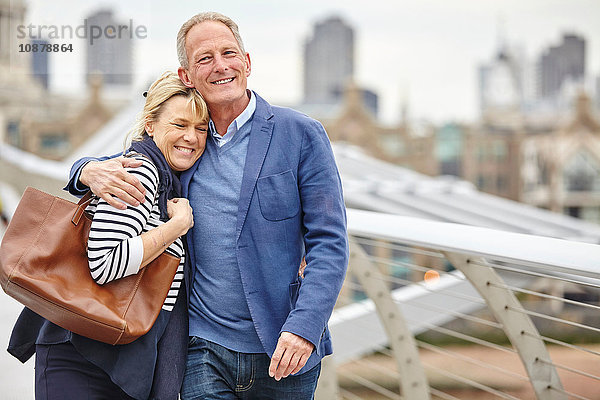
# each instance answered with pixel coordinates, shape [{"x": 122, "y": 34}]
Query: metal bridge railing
[{"x": 432, "y": 310}]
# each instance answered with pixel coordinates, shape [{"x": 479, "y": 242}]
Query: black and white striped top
[{"x": 115, "y": 248}]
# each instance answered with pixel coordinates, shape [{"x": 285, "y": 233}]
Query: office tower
[
  {"x": 560, "y": 64},
  {"x": 39, "y": 62},
  {"x": 112, "y": 53},
  {"x": 328, "y": 61}
]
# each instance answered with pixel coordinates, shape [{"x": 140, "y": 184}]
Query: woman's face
[{"x": 178, "y": 133}]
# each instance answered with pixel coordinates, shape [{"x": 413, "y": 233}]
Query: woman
[{"x": 169, "y": 137}]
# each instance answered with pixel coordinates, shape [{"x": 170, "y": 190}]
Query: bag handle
[{"x": 82, "y": 204}]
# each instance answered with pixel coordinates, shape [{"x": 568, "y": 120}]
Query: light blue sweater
[{"x": 218, "y": 308}]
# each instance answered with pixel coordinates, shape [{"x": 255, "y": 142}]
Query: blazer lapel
[{"x": 260, "y": 138}]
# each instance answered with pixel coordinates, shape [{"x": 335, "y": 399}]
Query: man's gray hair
[{"x": 195, "y": 20}]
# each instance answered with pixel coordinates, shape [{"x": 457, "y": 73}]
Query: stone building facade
[
  {"x": 560, "y": 170},
  {"x": 401, "y": 144},
  {"x": 549, "y": 163},
  {"x": 32, "y": 118}
]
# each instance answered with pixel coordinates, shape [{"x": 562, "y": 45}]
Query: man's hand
[
  {"x": 109, "y": 178},
  {"x": 290, "y": 355}
]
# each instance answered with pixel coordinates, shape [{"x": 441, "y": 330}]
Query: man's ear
[
  {"x": 185, "y": 77},
  {"x": 248, "y": 65}
]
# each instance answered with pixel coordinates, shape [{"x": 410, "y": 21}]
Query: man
[{"x": 265, "y": 193}]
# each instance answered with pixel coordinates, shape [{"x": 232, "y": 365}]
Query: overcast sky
[{"x": 424, "y": 52}]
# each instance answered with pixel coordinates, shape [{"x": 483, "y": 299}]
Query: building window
[
  {"x": 449, "y": 143},
  {"x": 591, "y": 214},
  {"x": 13, "y": 137},
  {"x": 499, "y": 150},
  {"x": 480, "y": 182},
  {"x": 543, "y": 168},
  {"x": 480, "y": 152},
  {"x": 54, "y": 144},
  {"x": 452, "y": 167},
  {"x": 501, "y": 184},
  {"x": 573, "y": 211},
  {"x": 582, "y": 173}
]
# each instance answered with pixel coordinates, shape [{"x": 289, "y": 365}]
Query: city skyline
[{"x": 422, "y": 53}]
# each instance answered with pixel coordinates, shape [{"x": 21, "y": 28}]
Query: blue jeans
[{"x": 215, "y": 372}]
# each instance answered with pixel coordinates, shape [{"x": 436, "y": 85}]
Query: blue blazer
[{"x": 291, "y": 205}]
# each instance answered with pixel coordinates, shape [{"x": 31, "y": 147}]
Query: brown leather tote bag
[{"x": 44, "y": 266}]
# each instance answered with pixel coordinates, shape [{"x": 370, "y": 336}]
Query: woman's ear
[{"x": 149, "y": 127}]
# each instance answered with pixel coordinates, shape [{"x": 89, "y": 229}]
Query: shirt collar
[{"x": 236, "y": 124}]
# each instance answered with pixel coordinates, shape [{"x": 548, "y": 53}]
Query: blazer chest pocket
[{"x": 278, "y": 196}]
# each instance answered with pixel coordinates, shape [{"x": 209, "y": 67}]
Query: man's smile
[{"x": 222, "y": 81}]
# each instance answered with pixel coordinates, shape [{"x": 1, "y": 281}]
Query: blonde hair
[
  {"x": 165, "y": 87},
  {"x": 195, "y": 20}
]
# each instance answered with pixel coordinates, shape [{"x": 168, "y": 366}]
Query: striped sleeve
[
  {"x": 115, "y": 248},
  {"x": 176, "y": 249}
]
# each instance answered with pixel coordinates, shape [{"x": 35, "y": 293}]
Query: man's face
[{"x": 217, "y": 68}]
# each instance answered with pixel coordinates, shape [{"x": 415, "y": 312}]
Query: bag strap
[{"x": 82, "y": 204}]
